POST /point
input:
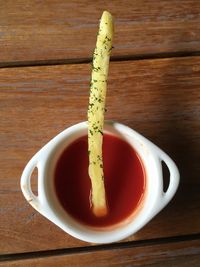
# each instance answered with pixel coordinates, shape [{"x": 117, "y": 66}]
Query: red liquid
[{"x": 124, "y": 181}]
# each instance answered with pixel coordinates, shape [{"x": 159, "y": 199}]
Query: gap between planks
[
  {"x": 50, "y": 62},
  {"x": 86, "y": 249}
]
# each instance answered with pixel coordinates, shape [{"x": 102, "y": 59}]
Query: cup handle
[
  {"x": 174, "y": 178},
  {"x": 26, "y": 182}
]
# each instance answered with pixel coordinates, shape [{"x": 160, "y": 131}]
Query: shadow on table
[{"x": 177, "y": 132}]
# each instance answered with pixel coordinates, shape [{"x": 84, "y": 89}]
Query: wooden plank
[
  {"x": 57, "y": 30},
  {"x": 159, "y": 98},
  {"x": 179, "y": 254}
]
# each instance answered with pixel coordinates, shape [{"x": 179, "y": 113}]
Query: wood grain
[
  {"x": 158, "y": 98},
  {"x": 63, "y": 30},
  {"x": 181, "y": 254}
]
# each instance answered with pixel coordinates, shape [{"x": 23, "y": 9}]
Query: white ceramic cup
[{"x": 48, "y": 205}]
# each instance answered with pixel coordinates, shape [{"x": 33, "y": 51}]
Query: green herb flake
[{"x": 100, "y": 131}]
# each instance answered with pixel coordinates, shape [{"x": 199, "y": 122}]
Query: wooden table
[{"x": 154, "y": 87}]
